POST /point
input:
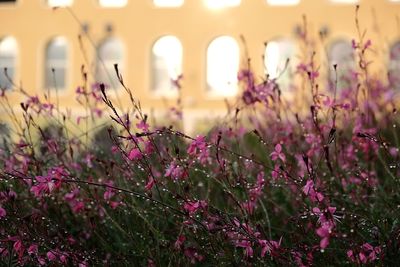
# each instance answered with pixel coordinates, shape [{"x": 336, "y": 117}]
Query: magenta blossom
[
  {"x": 193, "y": 206},
  {"x": 135, "y": 154},
  {"x": 278, "y": 154}
]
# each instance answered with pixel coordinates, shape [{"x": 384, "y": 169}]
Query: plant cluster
[{"x": 267, "y": 185}]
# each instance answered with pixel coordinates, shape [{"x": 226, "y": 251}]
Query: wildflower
[
  {"x": 89, "y": 160},
  {"x": 270, "y": 246},
  {"x": 367, "y": 254},
  {"x": 199, "y": 148},
  {"x": 198, "y": 144},
  {"x": 110, "y": 192},
  {"x": 277, "y": 153},
  {"x": 247, "y": 246},
  {"x": 45, "y": 185},
  {"x": 310, "y": 191},
  {"x": 142, "y": 125},
  {"x": 135, "y": 154},
  {"x": 3, "y": 212},
  {"x": 324, "y": 232},
  {"x": 367, "y": 44},
  {"x": 175, "y": 171},
  {"x": 51, "y": 255},
  {"x": 193, "y": 206},
  {"x": 179, "y": 242},
  {"x": 193, "y": 255},
  {"x": 33, "y": 249},
  {"x": 150, "y": 183}
]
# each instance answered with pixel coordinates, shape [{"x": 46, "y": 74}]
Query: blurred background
[{"x": 207, "y": 41}]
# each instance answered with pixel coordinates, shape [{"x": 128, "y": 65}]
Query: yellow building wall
[{"x": 139, "y": 24}]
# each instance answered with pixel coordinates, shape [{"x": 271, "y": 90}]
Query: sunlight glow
[
  {"x": 56, "y": 59},
  {"x": 8, "y": 55},
  {"x": 110, "y": 52},
  {"x": 223, "y": 66},
  {"x": 166, "y": 63},
  {"x": 54, "y": 3},
  {"x": 113, "y": 3},
  {"x": 283, "y": 2},
  {"x": 345, "y": 1},
  {"x": 276, "y": 55},
  {"x": 168, "y": 3}
]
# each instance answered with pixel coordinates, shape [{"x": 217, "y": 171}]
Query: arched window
[
  {"x": 54, "y": 3},
  {"x": 278, "y": 61},
  {"x": 56, "y": 63},
  {"x": 394, "y": 65},
  {"x": 109, "y": 52},
  {"x": 345, "y": 1},
  {"x": 113, "y": 3},
  {"x": 341, "y": 53},
  {"x": 223, "y": 66},
  {"x": 283, "y": 2},
  {"x": 8, "y": 58},
  {"x": 168, "y": 3},
  {"x": 166, "y": 64},
  {"x": 216, "y": 4}
]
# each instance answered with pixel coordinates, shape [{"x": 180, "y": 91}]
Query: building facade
[{"x": 155, "y": 41}]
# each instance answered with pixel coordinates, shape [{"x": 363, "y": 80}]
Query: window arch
[
  {"x": 55, "y": 3},
  {"x": 113, "y": 3},
  {"x": 394, "y": 65},
  {"x": 168, "y": 3},
  {"x": 166, "y": 64},
  {"x": 345, "y": 1},
  {"x": 216, "y": 4},
  {"x": 8, "y": 60},
  {"x": 223, "y": 66},
  {"x": 109, "y": 52},
  {"x": 341, "y": 53},
  {"x": 283, "y": 2},
  {"x": 278, "y": 58},
  {"x": 56, "y": 63}
]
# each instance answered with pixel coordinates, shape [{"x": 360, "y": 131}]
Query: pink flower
[
  {"x": 51, "y": 255},
  {"x": 367, "y": 44},
  {"x": 193, "y": 206},
  {"x": 110, "y": 192},
  {"x": 193, "y": 255},
  {"x": 272, "y": 247},
  {"x": 3, "y": 213},
  {"x": 135, "y": 154},
  {"x": 199, "y": 148},
  {"x": 196, "y": 145},
  {"x": 88, "y": 160},
  {"x": 354, "y": 45},
  {"x": 308, "y": 187},
  {"x": 175, "y": 171},
  {"x": 310, "y": 191},
  {"x": 19, "y": 247},
  {"x": 150, "y": 183},
  {"x": 324, "y": 232},
  {"x": 33, "y": 249},
  {"x": 278, "y": 153},
  {"x": 142, "y": 125},
  {"x": 247, "y": 246},
  {"x": 248, "y": 206},
  {"x": 46, "y": 184},
  {"x": 179, "y": 242}
]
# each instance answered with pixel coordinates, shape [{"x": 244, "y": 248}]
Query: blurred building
[{"x": 154, "y": 41}]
